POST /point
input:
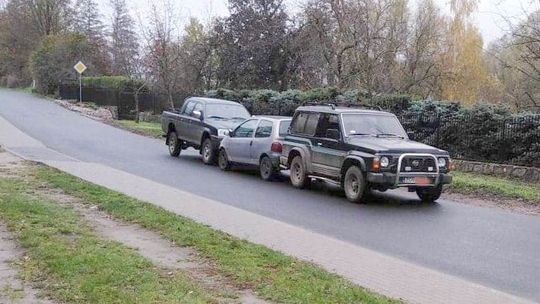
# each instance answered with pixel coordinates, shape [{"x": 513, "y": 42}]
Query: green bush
[{"x": 54, "y": 59}]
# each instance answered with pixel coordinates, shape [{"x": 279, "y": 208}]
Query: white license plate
[{"x": 420, "y": 180}]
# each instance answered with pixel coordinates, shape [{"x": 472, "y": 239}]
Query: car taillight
[{"x": 277, "y": 147}]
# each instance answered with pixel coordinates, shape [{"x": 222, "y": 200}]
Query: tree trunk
[{"x": 137, "y": 116}]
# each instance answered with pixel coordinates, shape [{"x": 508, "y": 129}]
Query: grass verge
[
  {"x": 465, "y": 182},
  {"x": 273, "y": 275},
  {"x": 152, "y": 129},
  {"x": 75, "y": 266}
]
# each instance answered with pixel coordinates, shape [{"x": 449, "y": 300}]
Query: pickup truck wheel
[
  {"x": 175, "y": 147},
  {"x": 223, "y": 161},
  {"x": 208, "y": 153},
  {"x": 429, "y": 195},
  {"x": 266, "y": 168},
  {"x": 354, "y": 184},
  {"x": 299, "y": 178}
]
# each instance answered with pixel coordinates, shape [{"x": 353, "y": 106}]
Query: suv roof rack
[{"x": 333, "y": 105}]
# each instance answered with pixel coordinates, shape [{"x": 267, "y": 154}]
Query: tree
[
  {"x": 124, "y": 40},
  {"x": 252, "y": 45},
  {"x": 163, "y": 55},
  {"x": 88, "y": 22},
  {"x": 463, "y": 60},
  {"x": 23, "y": 23},
  {"x": 54, "y": 59}
]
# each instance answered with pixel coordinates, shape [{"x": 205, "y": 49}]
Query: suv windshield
[
  {"x": 376, "y": 125},
  {"x": 226, "y": 111}
]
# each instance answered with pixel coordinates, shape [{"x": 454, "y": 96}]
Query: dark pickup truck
[
  {"x": 201, "y": 123},
  {"x": 361, "y": 149}
]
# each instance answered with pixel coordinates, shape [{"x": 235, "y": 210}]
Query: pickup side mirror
[
  {"x": 411, "y": 135},
  {"x": 197, "y": 114},
  {"x": 333, "y": 134}
]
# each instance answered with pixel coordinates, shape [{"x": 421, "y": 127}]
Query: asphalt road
[{"x": 492, "y": 247}]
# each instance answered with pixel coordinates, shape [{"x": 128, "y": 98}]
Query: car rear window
[{"x": 284, "y": 127}]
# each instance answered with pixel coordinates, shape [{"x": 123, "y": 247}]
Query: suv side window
[
  {"x": 328, "y": 121},
  {"x": 299, "y": 122},
  {"x": 264, "y": 129},
  {"x": 246, "y": 129},
  {"x": 305, "y": 124},
  {"x": 189, "y": 108},
  {"x": 311, "y": 124}
]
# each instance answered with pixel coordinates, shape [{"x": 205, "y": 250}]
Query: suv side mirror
[
  {"x": 411, "y": 135},
  {"x": 198, "y": 114},
  {"x": 333, "y": 134}
]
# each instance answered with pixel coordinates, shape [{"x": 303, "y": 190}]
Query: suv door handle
[
  {"x": 319, "y": 144},
  {"x": 251, "y": 143}
]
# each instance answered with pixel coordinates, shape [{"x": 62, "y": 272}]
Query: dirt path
[{"x": 148, "y": 244}]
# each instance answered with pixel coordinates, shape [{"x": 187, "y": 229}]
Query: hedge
[
  {"x": 284, "y": 103},
  {"x": 484, "y": 132},
  {"x": 119, "y": 83}
]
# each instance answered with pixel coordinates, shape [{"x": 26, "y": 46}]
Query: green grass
[
  {"x": 152, "y": 129},
  {"x": 465, "y": 182},
  {"x": 273, "y": 275},
  {"x": 73, "y": 265}
]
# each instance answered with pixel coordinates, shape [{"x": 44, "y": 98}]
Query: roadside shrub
[{"x": 53, "y": 60}]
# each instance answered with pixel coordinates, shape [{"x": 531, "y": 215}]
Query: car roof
[
  {"x": 273, "y": 117},
  {"x": 208, "y": 100},
  {"x": 340, "y": 110}
]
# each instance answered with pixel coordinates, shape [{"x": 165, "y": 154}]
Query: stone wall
[{"x": 529, "y": 174}]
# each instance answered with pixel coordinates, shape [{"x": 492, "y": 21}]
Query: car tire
[
  {"x": 266, "y": 169},
  {"x": 175, "y": 146},
  {"x": 208, "y": 153},
  {"x": 354, "y": 184},
  {"x": 429, "y": 195},
  {"x": 298, "y": 176},
  {"x": 223, "y": 160}
]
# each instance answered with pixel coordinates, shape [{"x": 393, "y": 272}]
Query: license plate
[{"x": 416, "y": 180}]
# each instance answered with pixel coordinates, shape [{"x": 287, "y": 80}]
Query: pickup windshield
[
  {"x": 374, "y": 125},
  {"x": 226, "y": 111}
]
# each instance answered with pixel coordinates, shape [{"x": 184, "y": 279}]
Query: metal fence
[
  {"x": 123, "y": 100},
  {"x": 514, "y": 140}
]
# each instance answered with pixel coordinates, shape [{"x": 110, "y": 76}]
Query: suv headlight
[
  {"x": 385, "y": 162},
  {"x": 442, "y": 162},
  {"x": 222, "y": 132}
]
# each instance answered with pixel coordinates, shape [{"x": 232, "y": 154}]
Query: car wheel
[
  {"x": 354, "y": 184},
  {"x": 429, "y": 195},
  {"x": 175, "y": 147},
  {"x": 299, "y": 178},
  {"x": 208, "y": 153},
  {"x": 266, "y": 168},
  {"x": 223, "y": 161}
]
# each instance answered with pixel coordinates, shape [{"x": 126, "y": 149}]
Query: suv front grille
[{"x": 418, "y": 164}]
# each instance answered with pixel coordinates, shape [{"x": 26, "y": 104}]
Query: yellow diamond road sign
[{"x": 80, "y": 67}]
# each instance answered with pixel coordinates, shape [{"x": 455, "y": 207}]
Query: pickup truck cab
[
  {"x": 201, "y": 123},
  {"x": 361, "y": 149}
]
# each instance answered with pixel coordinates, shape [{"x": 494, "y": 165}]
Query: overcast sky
[{"x": 489, "y": 18}]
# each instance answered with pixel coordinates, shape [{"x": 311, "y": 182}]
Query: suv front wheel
[
  {"x": 299, "y": 178},
  {"x": 208, "y": 153},
  {"x": 354, "y": 184}
]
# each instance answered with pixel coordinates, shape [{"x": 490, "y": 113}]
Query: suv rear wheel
[
  {"x": 299, "y": 178},
  {"x": 175, "y": 146},
  {"x": 429, "y": 195},
  {"x": 354, "y": 184}
]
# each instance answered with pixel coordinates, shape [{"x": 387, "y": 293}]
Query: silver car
[{"x": 258, "y": 142}]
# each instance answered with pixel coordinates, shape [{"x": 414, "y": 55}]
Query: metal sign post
[{"x": 80, "y": 68}]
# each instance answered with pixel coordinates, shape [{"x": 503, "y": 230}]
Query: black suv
[{"x": 360, "y": 149}]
